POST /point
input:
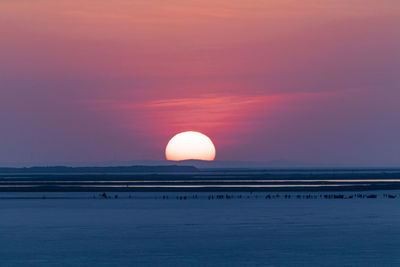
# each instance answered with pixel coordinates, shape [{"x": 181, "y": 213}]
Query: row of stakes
[{"x": 267, "y": 196}]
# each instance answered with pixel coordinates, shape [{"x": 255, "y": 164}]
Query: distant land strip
[{"x": 122, "y": 169}]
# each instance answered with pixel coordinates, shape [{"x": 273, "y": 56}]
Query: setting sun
[{"x": 190, "y": 145}]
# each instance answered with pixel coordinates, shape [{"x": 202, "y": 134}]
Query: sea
[{"x": 200, "y": 228}]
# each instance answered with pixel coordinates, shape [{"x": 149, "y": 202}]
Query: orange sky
[{"x": 114, "y": 80}]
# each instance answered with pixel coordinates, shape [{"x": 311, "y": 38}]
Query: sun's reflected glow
[{"x": 190, "y": 145}]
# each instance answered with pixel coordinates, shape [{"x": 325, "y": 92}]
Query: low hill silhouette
[{"x": 118, "y": 169}]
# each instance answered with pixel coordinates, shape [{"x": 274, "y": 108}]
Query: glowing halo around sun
[{"x": 190, "y": 145}]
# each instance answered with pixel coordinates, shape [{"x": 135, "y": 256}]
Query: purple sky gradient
[{"x": 316, "y": 81}]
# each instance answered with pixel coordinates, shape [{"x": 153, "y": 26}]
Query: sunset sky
[{"x": 313, "y": 81}]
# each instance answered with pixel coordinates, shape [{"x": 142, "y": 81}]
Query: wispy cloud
[{"x": 215, "y": 113}]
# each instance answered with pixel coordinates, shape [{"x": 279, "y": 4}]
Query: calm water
[
  {"x": 73, "y": 229},
  {"x": 216, "y": 180},
  {"x": 212, "y": 184}
]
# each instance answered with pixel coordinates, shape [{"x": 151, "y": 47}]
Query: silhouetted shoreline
[
  {"x": 117, "y": 169},
  {"x": 190, "y": 179}
]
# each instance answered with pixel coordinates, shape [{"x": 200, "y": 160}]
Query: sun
[{"x": 190, "y": 145}]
